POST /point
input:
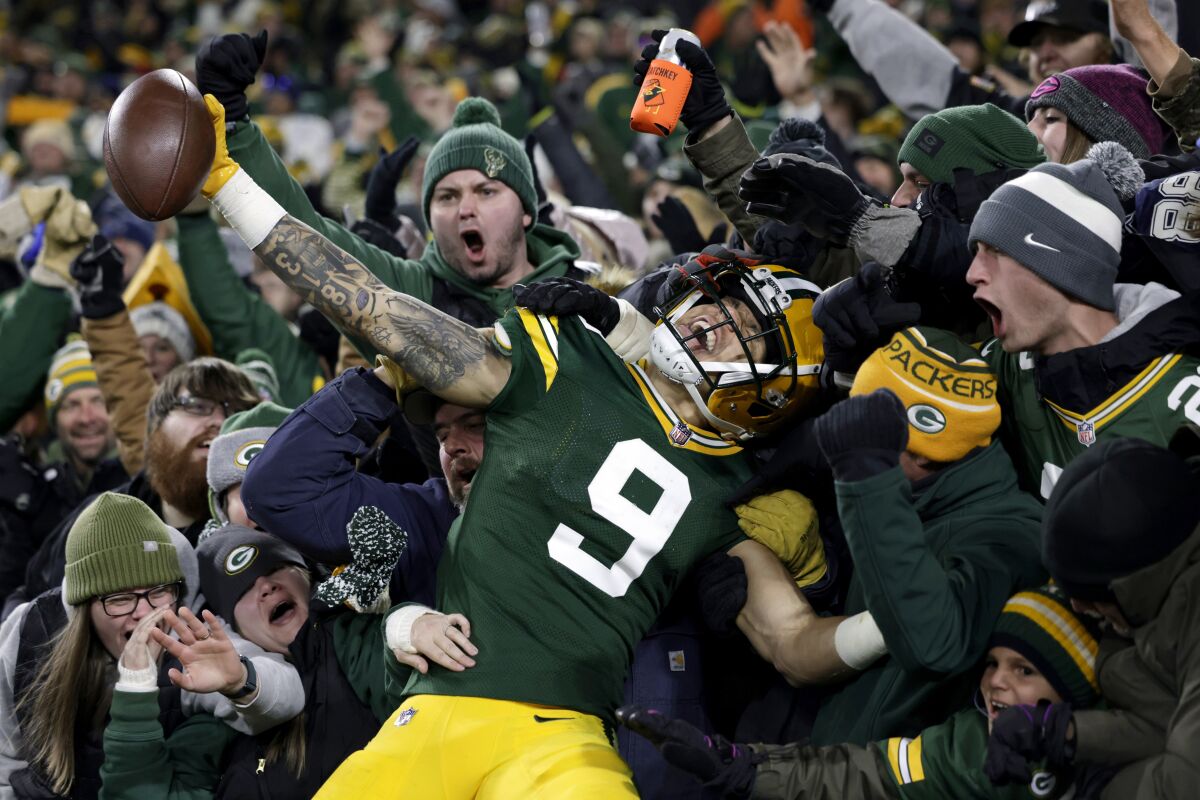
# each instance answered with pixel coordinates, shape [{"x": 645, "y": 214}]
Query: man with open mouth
[
  {"x": 604, "y": 485},
  {"x": 1078, "y": 357}
]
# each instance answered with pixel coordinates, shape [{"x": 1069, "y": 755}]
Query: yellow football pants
[{"x": 455, "y": 748}]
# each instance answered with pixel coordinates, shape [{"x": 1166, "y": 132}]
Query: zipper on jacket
[{"x": 262, "y": 766}]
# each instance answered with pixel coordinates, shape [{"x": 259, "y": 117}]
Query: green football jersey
[
  {"x": 591, "y": 505},
  {"x": 1151, "y": 406}
]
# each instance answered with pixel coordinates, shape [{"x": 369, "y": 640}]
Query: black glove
[
  {"x": 729, "y": 768},
  {"x": 796, "y": 458},
  {"x": 721, "y": 585},
  {"x": 863, "y": 435},
  {"x": 226, "y": 65},
  {"x": 563, "y": 297},
  {"x": 793, "y": 188},
  {"x": 675, "y": 221},
  {"x": 856, "y": 314},
  {"x": 705, "y": 103},
  {"x": 1024, "y": 735},
  {"x": 380, "y": 235},
  {"x": 381, "y": 183},
  {"x": 99, "y": 271}
]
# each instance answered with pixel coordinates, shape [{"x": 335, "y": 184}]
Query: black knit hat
[
  {"x": 233, "y": 558},
  {"x": 1123, "y": 505}
]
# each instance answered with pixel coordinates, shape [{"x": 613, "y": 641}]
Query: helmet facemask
[{"x": 745, "y": 398}]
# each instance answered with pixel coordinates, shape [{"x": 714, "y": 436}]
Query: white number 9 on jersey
[{"x": 649, "y": 531}]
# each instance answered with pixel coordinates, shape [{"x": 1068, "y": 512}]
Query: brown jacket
[
  {"x": 125, "y": 382},
  {"x": 1152, "y": 684},
  {"x": 1177, "y": 101}
]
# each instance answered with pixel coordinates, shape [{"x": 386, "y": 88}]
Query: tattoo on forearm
[{"x": 435, "y": 348}]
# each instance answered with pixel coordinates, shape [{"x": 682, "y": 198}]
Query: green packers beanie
[
  {"x": 242, "y": 437},
  {"x": 476, "y": 141},
  {"x": 1040, "y": 625},
  {"x": 117, "y": 544},
  {"x": 981, "y": 138}
]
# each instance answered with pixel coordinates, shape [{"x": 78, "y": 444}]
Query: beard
[{"x": 176, "y": 476}]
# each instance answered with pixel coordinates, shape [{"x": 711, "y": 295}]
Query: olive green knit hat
[
  {"x": 476, "y": 141},
  {"x": 116, "y": 544},
  {"x": 981, "y": 138},
  {"x": 1040, "y": 625}
]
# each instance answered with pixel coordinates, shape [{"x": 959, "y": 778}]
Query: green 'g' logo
[
  {"x": 239, "y": 558},
  {"x": 926, "y": 419},
  {"x": 247, "y": 452}
]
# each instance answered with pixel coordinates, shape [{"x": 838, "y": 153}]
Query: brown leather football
[{"x": 158, "y": 144}]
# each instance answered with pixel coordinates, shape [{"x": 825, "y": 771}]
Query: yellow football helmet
[{"x": 746, "y": 398}]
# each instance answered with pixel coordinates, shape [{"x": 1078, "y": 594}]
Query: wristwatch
[{"x": 251, "y": 684}]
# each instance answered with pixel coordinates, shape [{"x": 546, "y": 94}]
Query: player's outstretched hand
[
  {"x": 226, "y": 65},
  {"x": 223, "y": 166},
  {"x": 720, "y": 764},
  {"x": 444, "y": 639},
  {"x": 568, "y": 297}
]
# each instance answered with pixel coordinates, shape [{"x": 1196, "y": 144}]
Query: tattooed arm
[{"x": 447, "y": 356}]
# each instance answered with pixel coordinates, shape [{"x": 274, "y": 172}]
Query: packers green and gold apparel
[
  {"x": 1160, "y": 396},
  {"x": 944, "y": 761},
  {"x": 593, "y": 502}
]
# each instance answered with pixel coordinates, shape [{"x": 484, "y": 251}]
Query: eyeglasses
[
  {"x": 123, "y": 604},
  {"x": 200, "y": 406}
]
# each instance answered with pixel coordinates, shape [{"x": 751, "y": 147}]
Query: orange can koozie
[{"x": 664, "y": 89}]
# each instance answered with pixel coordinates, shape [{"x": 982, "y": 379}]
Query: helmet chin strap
[{"x": 736, "y": 431}]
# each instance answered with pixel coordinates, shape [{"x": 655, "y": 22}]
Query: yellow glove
[
  {"x": 785, "y": 522},
  {"x": 223, "y": 166},
  {"x": 69, "y": 227},
  {"x": 394, "y": 376}
]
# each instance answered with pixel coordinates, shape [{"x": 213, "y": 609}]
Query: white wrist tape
[
  {"x": 630, "y": 338},
  {"x": 136, "y": 680},
  {"x": 858, "y": 641},
  {"x": 249, "y": 210},
  {"x": 397, "y": 631}
]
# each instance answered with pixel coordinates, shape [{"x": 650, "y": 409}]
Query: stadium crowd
[{"x": 843, "y": 443}]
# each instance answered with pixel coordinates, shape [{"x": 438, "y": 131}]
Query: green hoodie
[
  {"x": 934, "y": 563},
  {"x": 31, "y": 328},
  {"x": 551, "y": 251}
]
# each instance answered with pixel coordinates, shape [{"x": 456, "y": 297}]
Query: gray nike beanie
[{"x": 1063, "y": 222}]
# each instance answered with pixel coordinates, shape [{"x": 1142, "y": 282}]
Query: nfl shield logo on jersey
[
  {"x": 1087, "y": 433},
  {"x": 405, "y": 717},
  {"x": 681, "y": 433}
]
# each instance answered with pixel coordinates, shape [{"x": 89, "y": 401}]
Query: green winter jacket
[
  {"x": 945, "y": 761},
  {"x": 934, "y": 564},
  {"x": 237, "y": 317},
  {"x": 551, "y": 251},
  {"x": 139, "y": 763},
  {"x": 31, "y": 328}
]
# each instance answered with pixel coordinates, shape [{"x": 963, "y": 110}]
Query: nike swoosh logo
[
  {"x": 1029, "y": 240},
  {"x": 536, "y": 718}
]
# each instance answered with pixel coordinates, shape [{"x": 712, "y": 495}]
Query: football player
[{"x": 604, "y": 485}]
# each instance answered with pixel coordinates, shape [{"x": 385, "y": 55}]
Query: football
[{"x": 158, "y": 144}]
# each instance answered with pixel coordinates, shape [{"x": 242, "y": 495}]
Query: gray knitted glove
[{"x": 376, "y": 544}]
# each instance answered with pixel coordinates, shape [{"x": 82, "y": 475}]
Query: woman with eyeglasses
[{"x": 63, "y": 655}]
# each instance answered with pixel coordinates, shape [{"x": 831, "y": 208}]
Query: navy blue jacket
[{"x": 303, "y": 486}]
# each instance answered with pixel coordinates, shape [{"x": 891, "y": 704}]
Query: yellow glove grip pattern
[
  {"x": 785, "y": 522},
  {"x": 401, "y": 380},
  {"x": 223, "y": 167}
]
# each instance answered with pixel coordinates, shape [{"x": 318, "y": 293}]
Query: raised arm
[{"x": 449, "y": 357}]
